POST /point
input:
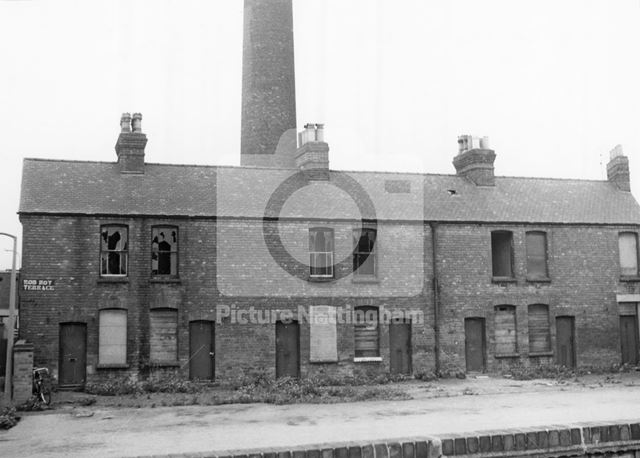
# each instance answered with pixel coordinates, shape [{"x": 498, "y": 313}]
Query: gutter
[{"x": 436, "y": 295}]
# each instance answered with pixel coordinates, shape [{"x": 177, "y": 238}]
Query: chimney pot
[
  {"x": 136, "y": 123},
  {"x": 312, "y": 156},
  {"x": 130, "y": 145},
  {"x": 125, "y": 122}
]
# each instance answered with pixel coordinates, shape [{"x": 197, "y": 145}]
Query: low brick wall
[{"x": 619, "y": 439}]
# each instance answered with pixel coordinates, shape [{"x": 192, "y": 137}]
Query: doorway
[
  {"x": 629, "y": 339},
  {"x": 565, "y": 341},
  {"x": 287, "y": 349},
  {"x": 201, "y": 350},
  {"x": 474, "y": 344},
  {"x": 400, "y": 347},
  {"x": 73, "y": 354}
]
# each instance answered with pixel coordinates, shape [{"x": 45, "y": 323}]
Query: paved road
[{"x": 131, "y": 432}]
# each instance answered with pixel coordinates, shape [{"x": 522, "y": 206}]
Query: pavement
[{"x": 469, "y": 406}]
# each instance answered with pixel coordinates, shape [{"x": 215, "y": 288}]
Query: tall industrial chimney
[{"x": 268, "y": 85}]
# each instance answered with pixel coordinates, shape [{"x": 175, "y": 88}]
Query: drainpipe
[{"x": 436, "y": 295}]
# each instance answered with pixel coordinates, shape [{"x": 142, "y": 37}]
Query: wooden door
[
  {"x": 201, "y": 350},
  {"x": 73, "y": 354},
  {"x": 565, "y": 341},
  {"x": 629, "y": 339},
  {"x": 287, "y": 349},
  {"x": 474, "y": 343},
  {"x": 400, "y": 347}
]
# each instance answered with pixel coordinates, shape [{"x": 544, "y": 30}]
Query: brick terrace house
[{"x": 284, "y": 265}]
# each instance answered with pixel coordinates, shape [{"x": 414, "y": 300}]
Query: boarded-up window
[
  {"x": 366, "y": 332},
  {"x": 323, "y": 334},
  {"x": 505, "y": 330},
  {"x": 112, "y": 337},
  {"x": 628, "y": 244},
  {"x": 164, "y": 250},
  {"x": 536, "y": 254},
  {"x": 539, "y": 334},
  {"x": 501, "y": 254},
  {"x": 163, "y": 332},
  {"x": 363, "y": 253}
]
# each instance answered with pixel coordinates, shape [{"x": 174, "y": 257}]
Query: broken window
[
  {"x": 365, "y": 332},
  {"x": 536, "y": 242},
  {"x": 112, "y": 337},
  {"x": 321, "y": 252},
  {"x": 114, "y": 245},
  {"x": 163, "y": 335},
  {"x": 364, "y": 259},
  {"x": 164, "y": 250},
  {"x": 628, "y": 246},
  {"x": 539, "y": 334},
  {"x": 505, "y": 330},
  {"x": 502, "y": 253}
]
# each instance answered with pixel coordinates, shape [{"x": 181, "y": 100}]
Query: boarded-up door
[
  {"x": 287, "y": 349},
  {"x": 400, "y": 347},
  {"x": 629, "y": 339},
  {"x": 73, "y": 354},
  {"x": 201, "y": 350},
  {"x": 474, "y": 344},
  {"x": 565, "y": 341}
]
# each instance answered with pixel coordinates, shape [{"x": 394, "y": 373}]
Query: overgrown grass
[
  {"x": 8, "y": 418},
  {"x": 562, "y": 373}
]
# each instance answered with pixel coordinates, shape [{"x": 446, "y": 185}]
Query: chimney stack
[
  {"x": 131, "y": 143},
  {"x": 312, "y": 156},
  {"x": 618, "y": 169},
  {"x": 268, "y": 84},
  {"x": 475, "y": 160}
]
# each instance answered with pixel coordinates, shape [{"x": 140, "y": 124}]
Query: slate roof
[{"x": 77, "y": 187}]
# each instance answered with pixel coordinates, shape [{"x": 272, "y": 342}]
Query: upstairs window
[
  {"x": 628, "y": 247},
  {"x": 114, "y": 246},
  {"x": 321, "y": 252},
  {"x": 164, "y": 250},
  {"x": 502, "y": 253},
  {"x": 364, "y": 259},
  {"x": 536, "y": 242},
  {"x": 505, "y": 330},
  {"x": 365, "y": 332}
]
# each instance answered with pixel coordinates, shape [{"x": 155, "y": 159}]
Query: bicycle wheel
[{"x": 45, "y": 395}]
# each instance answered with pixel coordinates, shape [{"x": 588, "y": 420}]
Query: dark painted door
[
  {"x": 73, "y": 354},
  {"x": 201, "y": 350},
  {"x": 629, "y": 339},
  {"x": 565, "y": 341},
  {"x": 400, "y": 347},
  {"x": 287, "y": 349},
  {"x": 474, "y": 344}
]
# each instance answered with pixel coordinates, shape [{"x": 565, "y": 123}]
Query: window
[
  {"x": 364, "y": 259},
  {"x": 502, "y": 254},
  {"x": 321, "y": 252},
  {"x": 163, "y": 331},
  {"x": 536, "y": 254},
  {"x": 114, "y": 246},
  {"x": 539, "y": 337},
  {"x": 505, "y": 330},
  {"x": 366, "y": 332},
  {"x": 628, "y": 245},
  {"x": 112, "y": 337},
  {"x": 323, "y": 334},
  {"x": 164, "y": 250}
]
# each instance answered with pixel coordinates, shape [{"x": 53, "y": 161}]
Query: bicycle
[{"x": 42, "y": 384}]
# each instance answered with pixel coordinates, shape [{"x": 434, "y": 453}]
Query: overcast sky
[{"x": 554, "y": 84}]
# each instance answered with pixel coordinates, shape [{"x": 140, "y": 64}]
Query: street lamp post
[{"x": 12, "y": 320}]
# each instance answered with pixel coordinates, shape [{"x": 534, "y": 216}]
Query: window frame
[
  {"x": 124, "y": 251},
  {"x": 329, "y": 254},
  {"x": 361, "y": 357},
  {"x": 373, "y": 254},
  {"x": 171, "y": 252},
  {"x": 537, "y": 276},
  {"x": 626, "y": 276},
  {"x": 124, "y": 364},
  {"x": 511, "y": 276}
]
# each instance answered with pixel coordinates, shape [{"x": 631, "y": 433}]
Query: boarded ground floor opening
[
  {"x": 400, "y": 347},
  {"x": 201, "y": 350},
  {"x": 73, "y": 354},
  {"x": 474, "y": 343},
  {"x": 629, "y": 339},
  {"x": 287, "y": 349},
  {"x": 565, "y": 341}
]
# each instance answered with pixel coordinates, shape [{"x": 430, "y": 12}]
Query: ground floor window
[
  {"x": 112, "y": 337},
  {"x": 366, "y": 330},
  {"x": 163, "y": 335},
  {"x": 539, "y": 334}
]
